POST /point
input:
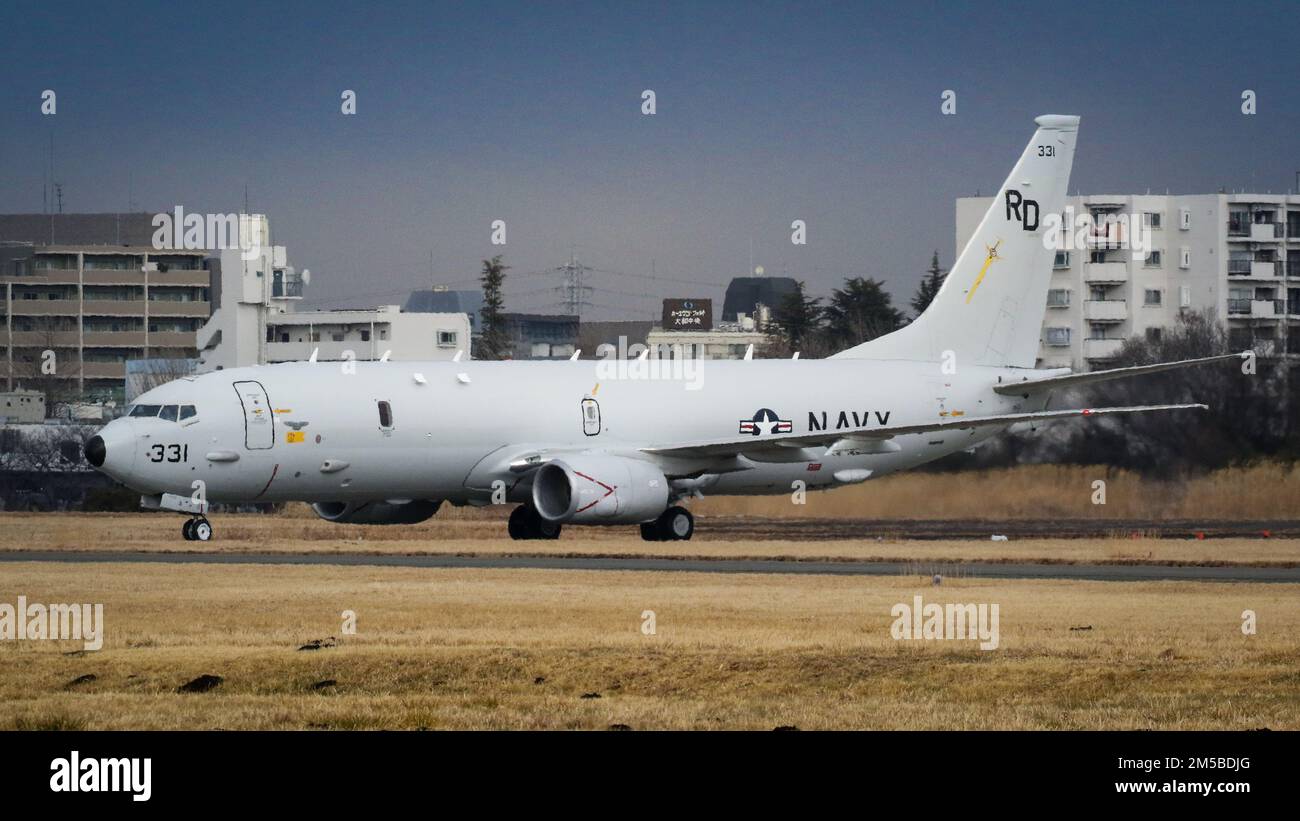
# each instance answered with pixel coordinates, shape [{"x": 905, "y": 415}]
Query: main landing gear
[
  {"x": 676, "y": 524},
  {"x": 525, "y": 523},
  {"x": 198, "y": 529}
]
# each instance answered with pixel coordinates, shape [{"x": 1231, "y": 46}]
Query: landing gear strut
[
  {"x": 525, "y": 523},
  {"x": 198, "y": 529},
  {"x": 676, "y": 524}
]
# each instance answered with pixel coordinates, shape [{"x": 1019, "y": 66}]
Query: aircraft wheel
[
  {"x": 187, "y": 530},
  {"x": 544, "y": 529},
  {"x": 650, "y": 531},
  {"x": 676, "y": 524},
  {"x": 518, "y": 524},
  {"x": 202, "y": 530}
]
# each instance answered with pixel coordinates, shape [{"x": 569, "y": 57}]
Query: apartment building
[
  {"x": 366, "y": 334},
  {"x": 1235, "y": 254},
  {"x": 81, "y": 294}
]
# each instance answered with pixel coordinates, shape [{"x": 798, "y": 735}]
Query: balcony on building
[
  {"x": 192, "y": 308},
  {"x": 1257, "y": 229},
  {"x": 1105, "y": 310},
  {"x": 112, "y": 307},
  {"x": 45, "y": 338},
  {"x": 1252, "y": 268},
  {"x": 45, "y": 307},
  {"x": 171, "y": 339},
  {"x": 104, "y": 370},
  {"x": 1101, "y": 348},
  {"x": 1105, "y": 272},
  {"x": 113, "y": 339},
  {"x": 1266, "y": 308},
  {"x": 1265, "y": 231}
]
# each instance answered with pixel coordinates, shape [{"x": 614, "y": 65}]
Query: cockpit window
[
  {"x": 169, "y": 413},
  {"x": 187, "y": 412},
  {"x": 145, "y": 410}
]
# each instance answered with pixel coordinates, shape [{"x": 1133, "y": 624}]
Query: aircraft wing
[
  {"x": 1069, "y": 380},
  {"x": 732, "y": 447}
]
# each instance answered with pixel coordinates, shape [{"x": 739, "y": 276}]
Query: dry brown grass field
[
  {"x": 470, "y": 648},
  {"x": 564, "y": 649},
  {"x": 1268, "y": 491},
  {"x": 460, "y": 535}
]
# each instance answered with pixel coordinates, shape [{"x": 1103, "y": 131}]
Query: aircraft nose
[
  {"x": 96, "y": 451},
  {"x": 112, "y": 450}
]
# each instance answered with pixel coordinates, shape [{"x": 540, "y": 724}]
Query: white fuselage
[{"x": 314, "y": 432}]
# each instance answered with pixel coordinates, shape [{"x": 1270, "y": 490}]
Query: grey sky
[{"x": 766, "y": 113}]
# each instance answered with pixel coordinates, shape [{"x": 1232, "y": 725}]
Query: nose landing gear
[{"x": 198, "y": 529}]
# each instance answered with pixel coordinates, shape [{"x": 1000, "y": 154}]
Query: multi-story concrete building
[
  {"x": 368, "y": 333},
  {"x": 1237, "y": 255},
  {"x": 255, "y": 321},
  {"x": 83, "y": 293}
]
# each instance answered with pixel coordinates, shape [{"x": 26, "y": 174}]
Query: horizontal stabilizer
[
  {"x": 732, "y": 447},
  {"x": 1070, "y": 380}
]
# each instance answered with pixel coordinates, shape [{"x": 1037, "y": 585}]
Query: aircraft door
[
  {"x": 259, "y": 420},
  {"x": 590, "y": 416}
]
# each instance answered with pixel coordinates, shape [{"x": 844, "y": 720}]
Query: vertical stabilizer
[{"x": 990, "y": 308}]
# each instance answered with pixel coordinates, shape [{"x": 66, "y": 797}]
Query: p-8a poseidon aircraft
[{"x": 388, "y": 442}]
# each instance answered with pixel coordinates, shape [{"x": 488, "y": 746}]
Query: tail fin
[{"x": 990, "y": 308}]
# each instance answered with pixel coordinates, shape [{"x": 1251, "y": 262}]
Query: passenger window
[
  {"x": 169, "y": 412},
  {"x": 187, "y": 411},
  {"x": 145, "y": 410},
  {"x": 385, "y": 415}
]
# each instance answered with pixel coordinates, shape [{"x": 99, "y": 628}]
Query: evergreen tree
[
  {"x": 493, "y": 343},
  {"x": 860, "y": 311},
  {"x": 930, "y": 285},
  {"x": 796, "y": 322}
]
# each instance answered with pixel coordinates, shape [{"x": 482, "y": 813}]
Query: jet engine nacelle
[
  {"x": 599, "y": 490},
  {"x": 376, "y": 513}
]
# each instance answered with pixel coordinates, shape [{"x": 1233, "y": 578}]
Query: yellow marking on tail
[{"x": 993, "y": 254}]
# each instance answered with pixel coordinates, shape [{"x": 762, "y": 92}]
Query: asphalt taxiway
[{"x": 987, "y": 570}]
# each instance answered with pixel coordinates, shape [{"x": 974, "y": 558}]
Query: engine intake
[
  {"x": 376, "y": 513},
  {"x": 600, "y": 490}
]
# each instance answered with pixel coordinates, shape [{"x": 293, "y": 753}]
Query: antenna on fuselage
[
  {"x": 314, "y": 351},
  {"x": 574, "y": 358},
  {"x": 749, "y": 352},
  {"x": 384, "y": 358},
  {"x": 456, "y": 358}
]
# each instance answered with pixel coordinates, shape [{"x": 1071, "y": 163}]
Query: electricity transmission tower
[{"x": 575, "y": 295}]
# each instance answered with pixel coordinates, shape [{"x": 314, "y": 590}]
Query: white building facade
[
  {"x": 1237, "y": 255},
  {"x": 254, "y": 321}
]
